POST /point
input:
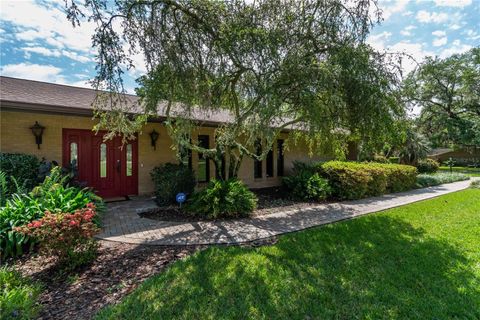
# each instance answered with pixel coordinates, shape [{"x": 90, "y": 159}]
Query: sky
[{"x": 38, "y": 43}]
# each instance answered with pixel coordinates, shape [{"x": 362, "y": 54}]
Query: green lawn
[
  {"x": 473, "y": 172},
  {"x": 420, "y": 261}
]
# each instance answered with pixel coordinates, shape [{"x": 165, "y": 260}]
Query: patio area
[{"x": 123, "y": 223}]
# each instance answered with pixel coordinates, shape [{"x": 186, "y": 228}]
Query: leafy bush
[
  {"x": 395, "y": 160},
  {"x": 222, "y": 199},
  {"x": 306, "y": 184},
  {"x": 51, "y": 195},
  {"x": 353, "y": 180},
  {"x": 66, "y": 236},
  {"x": 171, "y": 179},
  {"x": 18, "y": 296},
  {"x": 427, "y": 166},
  {"x": 380, "y": 159},
  {"x": 429, "y": 180},
  {"x": 475, "y": 184},
  {"x": 23, "y": 168}
]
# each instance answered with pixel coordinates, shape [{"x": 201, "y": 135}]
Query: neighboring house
[
  {"x": 66, "y": 114},
  {"x": 463, "y": 156}
]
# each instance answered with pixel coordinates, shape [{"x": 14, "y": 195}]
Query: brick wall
[{"x": 16, "y": 137}]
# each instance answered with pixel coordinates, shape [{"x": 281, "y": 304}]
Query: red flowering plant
[{"x": 66, "y": 236}]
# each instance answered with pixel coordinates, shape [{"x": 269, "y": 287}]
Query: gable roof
[{"x": 33, "y": 95}]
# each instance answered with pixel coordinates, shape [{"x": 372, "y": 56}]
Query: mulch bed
[
  {"x": 270, "y": 200},
  {"x": 118, "y": 269}
]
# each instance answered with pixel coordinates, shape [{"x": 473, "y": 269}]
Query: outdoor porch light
[
  {"x": 153, "y": 138},
  {"x": 37, "y": 131}
]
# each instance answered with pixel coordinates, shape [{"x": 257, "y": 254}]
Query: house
[
  {"x": 65, "y": 115},
  {"x": 461, "y": 157}
]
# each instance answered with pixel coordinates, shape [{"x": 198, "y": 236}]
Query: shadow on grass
[{"x": 376, "y": 267}]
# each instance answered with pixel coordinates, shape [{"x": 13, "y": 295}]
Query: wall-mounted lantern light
[
  {"x": 153, "y": 139},
  {"x": 37, "y": 131}
]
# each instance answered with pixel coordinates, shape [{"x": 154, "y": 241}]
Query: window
[
  {"x": 280, "y": 158},
  {"x": 203, "y": 161},
  {"x": 270, "y": 164},
  {"x": 129, "y": 160},
  {"x": 73, "y": 156},
  {"x": 103, "y": 160},
  {"x": 257, "y": 166}
]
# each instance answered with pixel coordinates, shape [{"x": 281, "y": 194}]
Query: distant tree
[
  {"x": 270, "y": 65},
  {"x": 448, "y": 92},
  {"x": 414, "y": 147}
]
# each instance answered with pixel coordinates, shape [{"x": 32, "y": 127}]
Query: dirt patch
[{"x": 270, "y": 200}]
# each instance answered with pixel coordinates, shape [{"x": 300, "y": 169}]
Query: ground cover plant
[
  {"x": 20, "y": 170},
  {"x": 429, "y": 180},
  {"x": 420, "y": 259},
  {"x": 52, "y": 196},
  {"x": 305, "y": 183},
  {"x": 18, "y": 296}
]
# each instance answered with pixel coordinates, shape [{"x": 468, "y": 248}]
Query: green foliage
[
  {"x": 51, "y": 195},
  {"x": 475, "y": 184},
  {"x": 261, "y": 63},
  {"x": 427, "y": 166},
  {"x": 394, "y": 160},
  {"x": 429, "y": 180},
  {"x": 21, "y": 170},
  {"x": 222, "y": 199},
  {"x": 18, "y": 296},
  {"x": 447, "y": 92},
  {"x": 380, "y": 159},
  {"x": 171, "y": 179},
  {"x": 415, "y": 147},
  {"x": 306, "y": 184},
  {"x": 418, "y": 261},
  {"x": 353, "y": 180}
]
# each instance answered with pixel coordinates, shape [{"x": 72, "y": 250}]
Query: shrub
[
  {"x": 427, "y": 166},
  {"x": 429, "y": 180},
  {"x": 66, "y": 236},
  {"x": 171, "y": 179},
  {"x": 353, "y": 180},
  {"x": 23, "y": 168},
  {"x": 222, "y": 199},
  {"x": 18, "y": 296},
  {"x": 51, "y": 195},
  {"x": 395, "y": 160},
  {"x": 306, "y": 184},
  {"x": 380, "y": 159},
  {"x": 475, "y": 184}
]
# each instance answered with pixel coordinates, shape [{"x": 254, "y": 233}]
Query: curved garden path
[{"x": 122, "y": 222}]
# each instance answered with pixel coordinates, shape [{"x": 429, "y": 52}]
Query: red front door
[{"x": 109, "y": 167}]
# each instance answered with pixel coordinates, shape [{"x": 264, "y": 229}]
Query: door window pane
[
  {"x": 270, "y": 164},
  {"x": 73, "y": 155},
  {"x": 129, "y": 160},
  {"x": 103, "y": 160}
]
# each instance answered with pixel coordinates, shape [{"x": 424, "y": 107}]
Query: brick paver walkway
[{"x": 122, "y": 222}]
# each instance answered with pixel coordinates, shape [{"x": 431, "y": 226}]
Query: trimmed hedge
[
  {"x": 427, "y": 166},
  {"x": 353, "y": 180}
]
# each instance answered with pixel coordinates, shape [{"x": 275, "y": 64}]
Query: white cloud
[
  {"x": 35, "y": 21},
  {"x": 397, "y": 7},
  {"x": 457, "y": 47},
  {"x": 440, "y": 41},
  {"x": 405, "y": 33},
  {"x": 414, "y": 51},
  {"x": 56, "y": 53},
  {"x": 435, "y": 17},
  {"x": 439, "y": 33},
  {"x": 453, "y": 3},
  {"x": 378, "y": 41},
  {"x": 31, "y": 71},
  {"x": 455, "y": 26}
]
